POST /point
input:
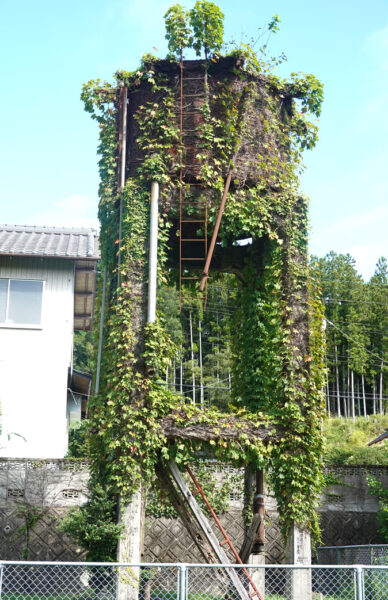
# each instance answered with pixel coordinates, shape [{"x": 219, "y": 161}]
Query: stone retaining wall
[{"x": 48, "y": 488}]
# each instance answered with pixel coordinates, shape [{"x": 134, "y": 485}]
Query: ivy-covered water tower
[{"x": 197, "y": 156}]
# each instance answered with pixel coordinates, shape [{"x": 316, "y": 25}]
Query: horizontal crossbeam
[{"x": 227, "y": 428}]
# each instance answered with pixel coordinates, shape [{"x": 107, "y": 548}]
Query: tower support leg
[
  {"x": 299, "y": 553},
  {"x": 130, "y": 546}
]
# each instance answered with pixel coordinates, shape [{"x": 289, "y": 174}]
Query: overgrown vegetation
[
  {"x": 93, "y": 526},
  {"x": 376, "y": 489},
  {"x": 277, "y": 342},
  {"x": 83, "y": 351},
  {"x": 346, "y": 441}
]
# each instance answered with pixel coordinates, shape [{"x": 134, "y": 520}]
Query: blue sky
[{"x": 48, "y": 163}]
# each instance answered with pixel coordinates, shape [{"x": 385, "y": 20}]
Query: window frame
[{"x": 7, "y": 325}]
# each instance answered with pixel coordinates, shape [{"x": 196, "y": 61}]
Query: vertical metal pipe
[
  {"x": 359, "y": 579},
  {"x": 182, "y": 581},
  {"x": 153, "y": 255},
  {"x": 122, "y": 172},
  {"x": 192, "y": 354},
  {"x": 1, "y": 579},
  {"x": 202, "y": 396},
  {"x": 100, "y": 334},
  {"x": 258, "y": 505}
]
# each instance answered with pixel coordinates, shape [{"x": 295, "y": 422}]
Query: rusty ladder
[{"x": 191, "y": 212}]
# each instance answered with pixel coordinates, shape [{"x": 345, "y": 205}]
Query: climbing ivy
[
  {"x": 377, "y": 489},
  {"x": 277, "y": 379}
]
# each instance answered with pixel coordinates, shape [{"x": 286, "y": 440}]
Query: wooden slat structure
[{"x": 217, "y": 554}]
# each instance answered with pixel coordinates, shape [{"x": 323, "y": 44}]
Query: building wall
[{"x": 34, "y": 364}]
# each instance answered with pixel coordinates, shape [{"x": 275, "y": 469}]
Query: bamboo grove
[{"x": 356, "y": 336}]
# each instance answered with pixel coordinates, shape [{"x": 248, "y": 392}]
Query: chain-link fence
[
  {"x": 103, "y": 581},
  {"x": 353, "y": 555}
]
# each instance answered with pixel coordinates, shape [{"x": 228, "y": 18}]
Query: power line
[
  {"x": 339, "y": 300},
  {"x": 368, "y": 330},
  {"x": 349, "y": 284},
  {"x": 353, "y": 340},
  {"x": 348, "y": 394}
]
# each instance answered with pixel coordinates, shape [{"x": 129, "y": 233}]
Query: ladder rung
[
  {"x": 193, "y": 240},
  {"x": 191, "y": 277},
  {"x": 192, "y": 112},
  {"x": 192, "y": 221},
  {"x": 187, "y": 258}
]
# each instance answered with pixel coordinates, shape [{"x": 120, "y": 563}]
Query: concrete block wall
[
  {"x": 45, "y": 489},
  {"x": 52, "y": 487}
]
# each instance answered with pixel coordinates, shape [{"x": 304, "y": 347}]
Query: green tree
[
  {"x": 178, "y": 33},
  {"x": 377, "y": 297},
  {"x": 83, "y": 351},
  {"x": 93, "y": 525},
  {"x": 343, "y": 291},
  {"x": 357, "y": 339},
  {"x": 207, "y": 22}
]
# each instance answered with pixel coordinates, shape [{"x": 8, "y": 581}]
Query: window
[{"x": 20, "y": 301}]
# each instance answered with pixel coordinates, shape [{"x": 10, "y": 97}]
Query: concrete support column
[
  {"x": 258, "y": 575},
  {"x": 299, "y": 553},
  {"x": 130, "y": 546}
]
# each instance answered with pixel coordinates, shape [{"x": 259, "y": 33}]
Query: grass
[{"x": 346, "y": 441}]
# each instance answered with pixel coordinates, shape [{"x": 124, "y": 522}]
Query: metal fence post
[
  {"x": 182, "y": 581},
  {"x": 1, "y": 580},
  {"x": 360, "y": 580}
]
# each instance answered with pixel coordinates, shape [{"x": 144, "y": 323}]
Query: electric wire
[{"x": 356, "y": 341}]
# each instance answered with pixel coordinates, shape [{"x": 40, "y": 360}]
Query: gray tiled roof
[{"x": 64, "y": 242}]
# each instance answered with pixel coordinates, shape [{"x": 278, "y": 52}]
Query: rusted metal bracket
[
  {"x": 254, "y": 539},
  {"x": 250, "y": 539}
]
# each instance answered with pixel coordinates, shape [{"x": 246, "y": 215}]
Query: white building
[{"x": 47, "y": 284}]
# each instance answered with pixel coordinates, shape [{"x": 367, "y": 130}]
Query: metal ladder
[{"x": 193, "y": 210}]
